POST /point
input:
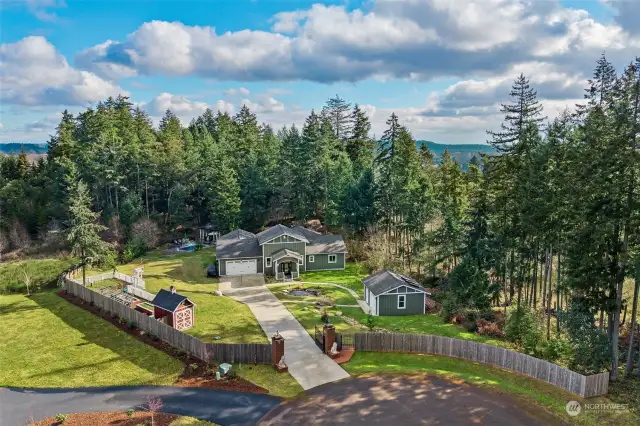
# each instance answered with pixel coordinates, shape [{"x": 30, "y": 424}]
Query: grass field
[
  {"x": 48, "y": 342},
  {"x": 338, "y": 295},
  {"x": 349, "y": 277},
  {"x": 215, "y": 316},
  {"x": 40, "y": 271},
  {"x": 538, "y": 392}
]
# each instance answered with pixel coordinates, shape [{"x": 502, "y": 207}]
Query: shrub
[
  {"x": 130, "y": 412},
  {"x": 193, "y": 366},
  {"x": 556, "y": 349},
  {"x": 370, "y": 322},
  {"x": 146, "y": 232},
  {"x": 488, "y": 328},
  {"x": 470, "y": 326},
  {"x": 523, "y": 328},
  {"x": 122, "y": 320},
  {"x": 134, "y": 248},
  {"x": 132, "y": 324},
  {"x": 324, "y": 317},
  {"x": 61, "y": 418}
]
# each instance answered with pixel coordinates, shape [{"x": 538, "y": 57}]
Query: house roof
[
  {"x": 327, "y": 244},
  {"x": 278, "y": 230},
  {"x": 386, "y": 280},
  {"x": 285, "y": 253},
  {"x": 169, "y": 301},
  {"x": 237, "y": 234},
  {"x": 236, "y": 244}
]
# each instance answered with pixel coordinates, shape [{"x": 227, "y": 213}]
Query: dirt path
[{"x": 406, "y": 401}]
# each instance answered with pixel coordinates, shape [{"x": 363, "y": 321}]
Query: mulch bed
[
  {"x": 108, "y": 419},
  {"x": 196, "y": 373}
]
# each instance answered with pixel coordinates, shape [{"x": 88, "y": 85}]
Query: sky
[{"x": 443, "y": 66}]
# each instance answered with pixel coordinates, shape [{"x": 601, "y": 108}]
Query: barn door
[{"x": 184, "y": 319}]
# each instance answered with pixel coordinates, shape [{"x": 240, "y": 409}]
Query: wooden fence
[
  {"x": 247, "y": 353},
  {"x": 585, "y": 386},
  {"x": 138, "y": 292}
]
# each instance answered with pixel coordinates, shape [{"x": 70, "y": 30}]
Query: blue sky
[{"x": 443, "y": 66}]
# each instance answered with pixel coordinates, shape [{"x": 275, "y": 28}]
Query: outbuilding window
[
  {"x": 333, "y": 258},
  {"x": 268, "y": 260},
  {"x": 402, "y": 301},
  {"x": 311, "y": 259}
]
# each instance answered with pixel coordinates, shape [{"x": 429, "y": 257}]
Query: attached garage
[{"x": 241, "y": 267}]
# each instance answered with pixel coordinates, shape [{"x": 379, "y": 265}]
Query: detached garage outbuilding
[{"x": 388, "y": 293}]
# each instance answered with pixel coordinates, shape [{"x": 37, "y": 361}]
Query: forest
[{"x": 549, "y": 226}]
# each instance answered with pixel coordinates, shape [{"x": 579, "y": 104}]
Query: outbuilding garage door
[{"x": 241, "y": 267}]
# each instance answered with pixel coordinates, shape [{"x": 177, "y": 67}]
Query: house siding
[
  {"x": 269, "y": 248},
  {"x": 321, "y": 262},
  {"x": 222, "y": 264},
  {"x": 388, "y": 304}
]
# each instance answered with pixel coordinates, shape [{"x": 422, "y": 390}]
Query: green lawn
[
  {"x": 541, "y": 393},
  {"x": 40, "y": 271},
  {"x": 309, "y": 317},
  {"x": 279, "y": 384},
  {"x": 48, "y": 342},
  {"x": 349, "y": 277},
  {"x": 338, "y": 295},
  {"x": 215, "y": 316}
]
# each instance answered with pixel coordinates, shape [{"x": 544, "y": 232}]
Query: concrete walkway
[
  {"x": 19, "y": 406},
  {"x": 307, "y": 364}
]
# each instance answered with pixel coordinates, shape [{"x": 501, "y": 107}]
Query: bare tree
[
  {"x": 147, "y": 231},
  {"x": 153, "y": 406},
  {"x": 18, "y": 236},
  {"x": 27, "y": 276}
]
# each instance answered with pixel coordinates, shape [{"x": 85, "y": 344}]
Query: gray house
[
  {"x": 279, "y": 251},
  {"x": 389, "y": 293}
]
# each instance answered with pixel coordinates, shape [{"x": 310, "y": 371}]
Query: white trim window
[
  {"x": 311, "y": 259},
  {"x": 267, "y": 262},
  {"x": 402, "y": 301},
  {"x": 333, "y": 258}
]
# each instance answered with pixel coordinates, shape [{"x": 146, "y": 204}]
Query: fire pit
[{"x": 304, "y": 292}]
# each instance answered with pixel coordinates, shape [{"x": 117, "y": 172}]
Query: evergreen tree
[
  {"x": 338, "y": 113},
  {"x": 84, "y": 231}
]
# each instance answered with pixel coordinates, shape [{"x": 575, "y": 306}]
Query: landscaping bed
[
  {"x": 196, "y": 373},
  {"x": 312, "y": 293},
  {"x": 122, "y": 419}
]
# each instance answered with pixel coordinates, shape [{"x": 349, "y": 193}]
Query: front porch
[{"x": 286, "y": 264}]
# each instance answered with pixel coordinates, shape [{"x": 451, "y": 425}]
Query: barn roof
[
  {"x": 386, "y": 280},
  {"x": 169, "y": 301}
]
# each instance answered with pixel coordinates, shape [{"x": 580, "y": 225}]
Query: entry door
[{"x": 242, "y": 267}]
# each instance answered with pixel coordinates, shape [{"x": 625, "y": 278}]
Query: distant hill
[
  {"x": 14, "y": 148},
  {"x": 461, "y": 153}
]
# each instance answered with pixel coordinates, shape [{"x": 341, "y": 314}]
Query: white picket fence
[{"x": 135, "y": 282}]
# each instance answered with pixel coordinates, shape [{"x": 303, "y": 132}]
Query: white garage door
[{"x": 241, "y": 267}]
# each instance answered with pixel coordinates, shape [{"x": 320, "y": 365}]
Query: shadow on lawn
[
  {"x": 78, "y": 319},
  {"x": 15, "y": 307}
]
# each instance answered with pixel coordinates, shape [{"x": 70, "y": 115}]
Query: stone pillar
[
  {"x": 277, "y": 351},
  {"x": 329, "y": 332}
]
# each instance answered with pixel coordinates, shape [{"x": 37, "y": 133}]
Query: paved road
[
  {"x": 307, "y": 364},
  {"x": 17, "y": 406},
  {"x": 399, "y": 400}
]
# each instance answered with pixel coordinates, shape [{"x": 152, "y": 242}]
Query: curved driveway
[
  {"x": 18, "y": 406},
  {"x": 405, "y": 401}
]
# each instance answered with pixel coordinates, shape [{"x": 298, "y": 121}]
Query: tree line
[{"x": 550, "y": 224}]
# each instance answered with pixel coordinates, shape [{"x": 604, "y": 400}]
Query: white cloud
[
  {"x": 183, "y": 107},
  {"x": 89, "y": 59},
  {"x": 264, "y": 104},
  {"x": 1, "y": 126},
  {"x": 32, "y": 72},
  {"x": 241, "y": 90},
  {"x": 417, "y": 39},
  {"x": 46, "y": 125},
  {"x": 41, "y": 9}
]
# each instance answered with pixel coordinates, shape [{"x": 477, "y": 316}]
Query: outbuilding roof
[
  {"x": 383, "y": 281},
  {"x": 278, "y": 230},
  {"x": 169, "y": 301}
]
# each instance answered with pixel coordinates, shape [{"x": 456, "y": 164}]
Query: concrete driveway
[
  {"x": 406, "y": 401},
  {"x": 241, "y": 281}
]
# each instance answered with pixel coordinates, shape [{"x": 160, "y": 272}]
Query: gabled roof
[
  {"x": 386, "y": 280},
  {"x": 278, "y": 230},
  {"x": 237, "y": 234},
  {"x": 319, "y": 243},
  {"x": 236, "y": 244},
  {"x": 285, "y": 253},
  {"x": 169, "y": 301}
]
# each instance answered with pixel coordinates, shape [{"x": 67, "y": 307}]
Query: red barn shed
[{"x": 178, "y": 309}]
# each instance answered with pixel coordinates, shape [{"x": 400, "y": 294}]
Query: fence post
[
  {"x": 277, "y": 353},
  {"x": 329, "y": 337}
]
